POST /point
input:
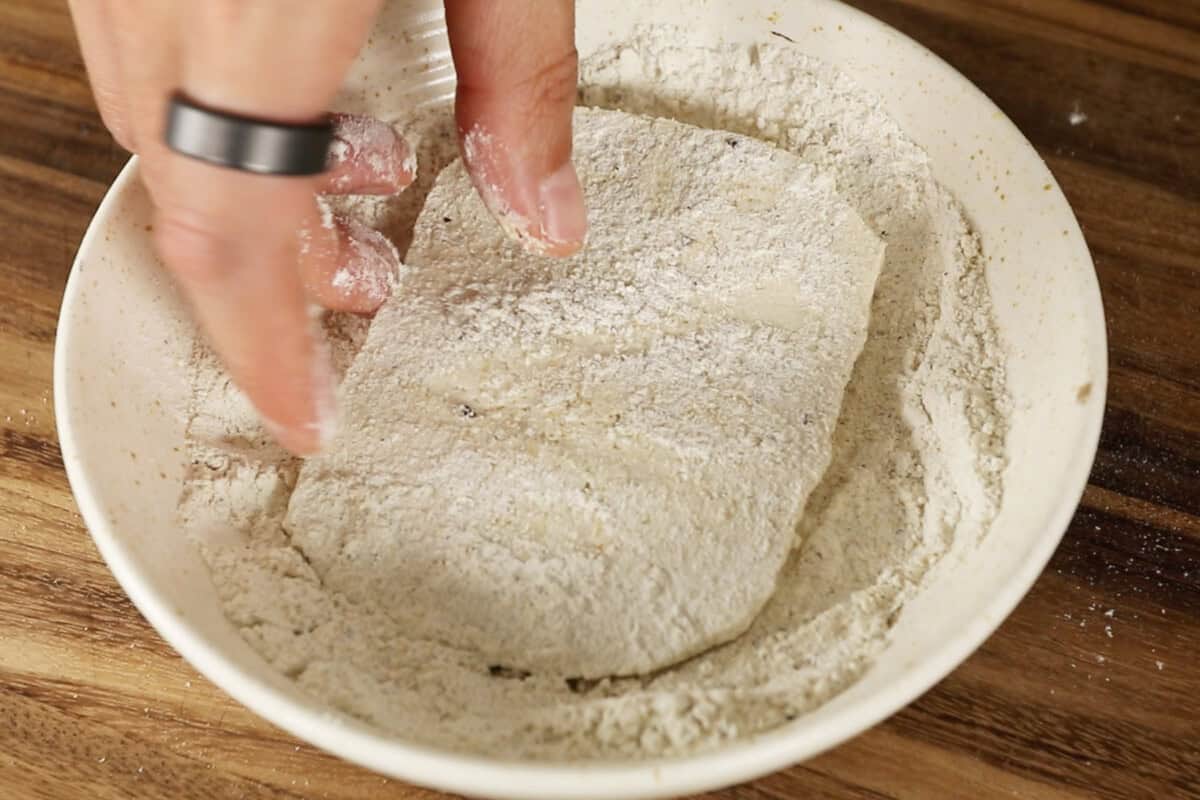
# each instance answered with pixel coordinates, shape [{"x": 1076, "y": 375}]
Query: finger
[
  {"x": 517, "y": 73},
  {"x": 98, "y": 46},
  {"x": 231, "y": 238},
  {"x": 241, "y": 278},
  {"x": 367, "y": 157},
  {"x": 358, "y": 276}
]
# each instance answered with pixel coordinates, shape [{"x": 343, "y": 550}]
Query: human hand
[{"x": 251, "y": 251}]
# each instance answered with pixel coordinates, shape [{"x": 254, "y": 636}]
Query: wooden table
[{"x": 1091, "y": 689}]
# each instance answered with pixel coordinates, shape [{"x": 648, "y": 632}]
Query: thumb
[{"x": 517, "y": 73}]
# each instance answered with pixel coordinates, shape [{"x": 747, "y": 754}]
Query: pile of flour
[{"x": 918, "y": 454}]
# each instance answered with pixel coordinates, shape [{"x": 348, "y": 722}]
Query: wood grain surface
[{"x": 1091, "y": 689}]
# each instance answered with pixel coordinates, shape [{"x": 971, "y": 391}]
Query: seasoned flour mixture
[
  {"x": 915, "y": 464},
  {"x": 595, "y": 466}
]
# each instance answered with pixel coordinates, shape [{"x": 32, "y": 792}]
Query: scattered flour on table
[{"x": 918, "y": 454}]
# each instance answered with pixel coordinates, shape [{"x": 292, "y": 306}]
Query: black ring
[{"x": 243, "y": 143}]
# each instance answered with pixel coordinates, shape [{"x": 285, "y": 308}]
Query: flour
[
  {"x": 917, "y": 457},
  {"x": 595, "y": 466}
]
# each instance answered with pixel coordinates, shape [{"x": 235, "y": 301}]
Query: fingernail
[
  {"x": 544, "y": 214},
  {"x": 560, "y": 204}
]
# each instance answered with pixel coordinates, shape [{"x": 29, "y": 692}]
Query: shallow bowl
[{"x": 121, "y": 389}]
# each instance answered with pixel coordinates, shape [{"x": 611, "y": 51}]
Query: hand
[{"x": 251, "y": 251}]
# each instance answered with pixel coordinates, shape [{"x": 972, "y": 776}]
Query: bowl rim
[{"x": 482, "y": 776}]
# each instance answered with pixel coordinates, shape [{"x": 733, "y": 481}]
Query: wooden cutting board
[{"x": 1091, "y": 689}]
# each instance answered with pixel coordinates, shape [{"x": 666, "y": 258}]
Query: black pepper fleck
[
  {"x": 500, "y": 671},
  {"x": 581, "y": 685}
]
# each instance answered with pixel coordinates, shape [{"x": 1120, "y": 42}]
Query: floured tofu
[{"x": 595, "y": 466}]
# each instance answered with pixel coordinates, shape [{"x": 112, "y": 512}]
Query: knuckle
[
  {"x": 552, "y": 82},
  {"x": 536, "y": 83},
  {"x": 556, "y": 82}
]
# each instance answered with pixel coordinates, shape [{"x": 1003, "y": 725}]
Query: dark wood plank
[{"x": 1179, "y": 13}]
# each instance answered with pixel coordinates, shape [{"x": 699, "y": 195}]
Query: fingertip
[
  {"x": 367, "y": 157},
  {"x": 545, "y": 214},
  {"x": 360, "y": 277},
  {"x": 311, "y": 433},
  {"x": 299, "y": 441}
]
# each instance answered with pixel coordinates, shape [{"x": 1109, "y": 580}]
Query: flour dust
[{"x": 917, "y": 458}]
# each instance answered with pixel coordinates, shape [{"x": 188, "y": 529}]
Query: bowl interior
[{"x": 121, "y": 391}]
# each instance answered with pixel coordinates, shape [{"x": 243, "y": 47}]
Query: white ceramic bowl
[{"x": 121, "y": 387}]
